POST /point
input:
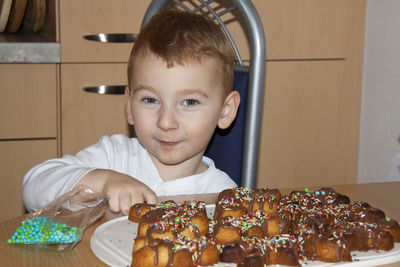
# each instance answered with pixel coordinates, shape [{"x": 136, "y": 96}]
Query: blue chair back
[{"x": 226, "y": 146}]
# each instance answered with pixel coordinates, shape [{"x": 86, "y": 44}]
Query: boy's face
[{"x": 175, "y": 110}]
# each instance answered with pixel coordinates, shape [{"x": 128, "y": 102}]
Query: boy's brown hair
[{"x": 178, "y": 37}]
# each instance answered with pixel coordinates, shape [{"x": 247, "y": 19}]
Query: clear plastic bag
[{"x": 59, "y": 225}]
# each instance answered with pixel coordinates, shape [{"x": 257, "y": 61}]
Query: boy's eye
[
  {"x": 190, "y": 102},
  {"x": 150, "y": 100}
]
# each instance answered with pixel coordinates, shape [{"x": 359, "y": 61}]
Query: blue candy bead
[{"x": 42, "y": 230}]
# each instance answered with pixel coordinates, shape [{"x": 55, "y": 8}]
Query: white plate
[{"x": 112, "y": 243}]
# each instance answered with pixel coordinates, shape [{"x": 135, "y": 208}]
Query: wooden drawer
[
  {"x": 294, "y": 29},
  {"x": 28, "y": 101},
  {"x": 87, "y": 116},
  {"x": 79, "y": 18},
  {"x": 299, "y": 29},
  {"x": 309, "y": 133},
  {"x": 16, "y": 158}
]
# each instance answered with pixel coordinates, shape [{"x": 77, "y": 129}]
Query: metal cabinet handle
[
  {"x": 111, "y": 37},
  {"x": 106, "y": 89}
]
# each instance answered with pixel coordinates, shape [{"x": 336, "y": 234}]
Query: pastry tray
[{"x": 112, "y": 243}]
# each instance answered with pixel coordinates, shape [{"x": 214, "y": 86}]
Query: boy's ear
[
  {"x": 229, "y": 110},
  {"x": 128, "y": 109}
]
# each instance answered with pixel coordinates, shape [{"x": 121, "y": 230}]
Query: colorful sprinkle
[{"x": 41, "y": 230}]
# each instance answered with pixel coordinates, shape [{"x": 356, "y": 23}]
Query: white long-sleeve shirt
[{"x": 50, "y": 179}]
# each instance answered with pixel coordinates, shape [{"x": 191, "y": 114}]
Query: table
[{"x": 385, "y": 196}]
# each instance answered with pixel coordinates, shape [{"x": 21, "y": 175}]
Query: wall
[{"x": 380, "y": 102}]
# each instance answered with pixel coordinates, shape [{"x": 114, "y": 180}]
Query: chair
[{"x": 236, "y": 151}]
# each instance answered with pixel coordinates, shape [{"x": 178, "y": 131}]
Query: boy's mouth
[{"x": 168, "y": 143}]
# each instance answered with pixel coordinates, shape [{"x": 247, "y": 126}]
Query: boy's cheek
[{"x": 202, "y": 124}]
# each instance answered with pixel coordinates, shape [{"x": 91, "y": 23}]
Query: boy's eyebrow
[
  {"x": 193, "y": 91},
  {"x": 183, "y": 92},
  {"x": 143, "y": 87}
]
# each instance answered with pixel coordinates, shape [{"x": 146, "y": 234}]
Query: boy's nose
[{"x": 167, "y": 119}]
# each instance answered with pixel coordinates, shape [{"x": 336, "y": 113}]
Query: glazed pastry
[
  {"x": 238, "y": 201},
  {"x": 258, "y": 227},
  {"x": 392, "y": 226}
]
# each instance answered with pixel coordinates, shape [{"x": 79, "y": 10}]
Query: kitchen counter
[{"x": 29, "y": 52}]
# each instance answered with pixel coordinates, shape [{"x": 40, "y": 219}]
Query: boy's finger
[
  {"x": 136, "y": 197},
  {"x": 113, "y": 202},
  {"x": 125, "y": 202},
  {"x": 150, "y": 197}
]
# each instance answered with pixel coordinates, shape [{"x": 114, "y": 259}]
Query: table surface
[{"x": 385, "y": 196}]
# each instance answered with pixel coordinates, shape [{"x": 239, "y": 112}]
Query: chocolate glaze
[
  {"x": 371, "y": 215},
  {"x": 381, "y": 240},
  {"x": 137, "y": 211},
  {"x": 332, "y": 248},
  {"x": 253, "y": 258},
  {"x": 247, "y": 200},
  {"x": 269, "y": 196},
  {"x": 391, "y": 226},
  {"x": 341, "y": 199},
  {"x": 320, "y": 224},
  {"x": 282, "y": 256},
  {"x": 223, "y": 211},
  {"x": 233, "y": 253}
]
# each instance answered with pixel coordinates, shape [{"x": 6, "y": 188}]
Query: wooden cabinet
[
  {"x": 29, "y": 129},
  {"x": 309, "y": 134},
  {"x": 294, "y": 29},
  {"x": 298, "y": 29},
  {"x": 310, "y": 124},
  {"x": 16, "y": 158},
  {"x": 28, "y": 101},
  {"x": 87, "y": 116},
  {"x": 79, "y": 18},
  {"x": 304, "y": 125}
]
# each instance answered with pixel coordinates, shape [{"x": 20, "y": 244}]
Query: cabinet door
[
  {"x": 28, "y": 101},
  {"x": 298, "y": 29},
  {"x": 308, "y": 135},
  {"x": 79, "y": 18},
  {"x": 16, "y": 158},
  {"x": 87, "y": 116}
]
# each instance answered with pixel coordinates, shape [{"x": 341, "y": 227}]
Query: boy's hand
[{"x": 122, "y": 190}]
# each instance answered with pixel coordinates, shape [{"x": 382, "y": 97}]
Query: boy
[{"x": 180, "y": 79}]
